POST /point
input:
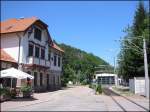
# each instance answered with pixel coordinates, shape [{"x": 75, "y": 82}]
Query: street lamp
[{"x": 145, "y": 64}]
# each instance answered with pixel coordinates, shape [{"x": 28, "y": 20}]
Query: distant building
[
  {"x": 106, "y": 79},
  {"x": 30, "y": 46}
]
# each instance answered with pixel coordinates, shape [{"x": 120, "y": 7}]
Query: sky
[{"x": 92, "y": 26}]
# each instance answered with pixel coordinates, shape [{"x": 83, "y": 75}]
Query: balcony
[{"x": 38, "y": 61}]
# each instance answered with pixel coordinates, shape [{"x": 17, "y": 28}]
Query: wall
[
  {"x": 131, "y": 85},
  {"x": 137, "y": 85},
  {"x": 56, "y": 68},
  {"x": 43, "y": 42},
  {"x": 10, "y": 43}
]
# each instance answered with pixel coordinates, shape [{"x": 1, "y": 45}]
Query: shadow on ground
[
  {"x": 65, "y": 88},
  {"x": 24, "y": 99},
  {"x": 110, "y": 92}
]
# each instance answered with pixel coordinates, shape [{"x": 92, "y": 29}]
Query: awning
[{"x": 14, "y": 73}]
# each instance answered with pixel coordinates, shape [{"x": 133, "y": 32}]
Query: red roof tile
[
  {"x": 57, "y": 47},
  {"x": 5, "y": 57},
  {"x": 17, "y": 25}
]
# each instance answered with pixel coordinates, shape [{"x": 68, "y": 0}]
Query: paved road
[{"x": 79, "y": 98}]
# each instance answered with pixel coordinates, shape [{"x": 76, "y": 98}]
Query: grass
[{"x": 122, "y": 91}]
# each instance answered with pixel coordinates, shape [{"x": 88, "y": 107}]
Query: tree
[{"x": 131, "y": 61}]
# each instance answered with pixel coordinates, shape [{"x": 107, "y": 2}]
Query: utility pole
[
  {"x": 145, "y": 64},
  {"x": 114, "y": 65},
  {"x": 146, "y": 69}
]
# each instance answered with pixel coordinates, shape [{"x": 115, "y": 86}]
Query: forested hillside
[{"x": 78, "y": 65}]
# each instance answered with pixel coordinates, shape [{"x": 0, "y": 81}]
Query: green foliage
[
  {"x": 78, "y": 66},
  {"x": 84, "y": 82},
  {"x": 26, "y": 89},
  {"x": 131, "y": 60},
  {"x": 4, "y": 91},
  {"x": 99, "y": 88},
  {"x": 93, "y": 85}
]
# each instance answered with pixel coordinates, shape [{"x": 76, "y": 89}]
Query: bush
[
  {"x": 26, "y": 89},
  {"x": 4, "y": 94},
  {"x": 90, "y": 85},
  {"x": 99, "y": 89},
  {"x": 4, "y": 91},
  {"x": 84, "y": 82}
]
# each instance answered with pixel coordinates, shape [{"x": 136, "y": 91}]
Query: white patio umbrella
[{"x": 14, "y": 73}]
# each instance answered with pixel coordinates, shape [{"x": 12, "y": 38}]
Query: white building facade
[
  {"x": 106, "y": 79},
  {"x": 29, "y": 43}
]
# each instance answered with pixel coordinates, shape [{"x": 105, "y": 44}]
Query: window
[
  {"x": 37, "y": 52},
  {"x": 30, "y": 53},
  {"x": 59, "y": 61},
  {"x": 37, "y": 34},
  {"x": 42, "y": 54},
  {"x": 35, "y": 78},
  {"x": 55, "y": 60},
  {"x": 49, "y": 56},
  {"x": 41, "y": 79}
]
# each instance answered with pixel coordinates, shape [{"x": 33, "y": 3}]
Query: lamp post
[{"x": 145, "y": 63}]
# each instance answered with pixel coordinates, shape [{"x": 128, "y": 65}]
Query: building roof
[
  {"x": 5, "y": 57},
  {"x": 57, "y": 47},
  {"x": 105, "y": 74},
  {"x": 17, "y": 25}
]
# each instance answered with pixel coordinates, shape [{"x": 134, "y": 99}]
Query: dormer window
[{"x": 37, "y": 34}]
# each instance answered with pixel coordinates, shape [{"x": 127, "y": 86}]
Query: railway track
[{"x": 119, "y": 99}]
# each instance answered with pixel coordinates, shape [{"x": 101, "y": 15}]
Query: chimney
[{"x": 21, "y": 17}]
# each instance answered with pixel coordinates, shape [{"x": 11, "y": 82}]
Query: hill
[{"x": 78, "y": 65}]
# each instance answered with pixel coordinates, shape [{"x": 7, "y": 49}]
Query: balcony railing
[{"x": 38, "y": 61}]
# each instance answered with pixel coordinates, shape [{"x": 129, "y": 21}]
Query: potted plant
[
  {"x": 4, "y": 94},
  {"x": 27, "y": 91}
]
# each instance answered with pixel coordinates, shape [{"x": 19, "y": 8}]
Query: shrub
[
  {"x": 4, "y": 91},
  {"x": 4, "y": 94},
  {"x": 90, "y": 85},
  {"x": 26, "y": 89},
  {"x": 84, "y": 82},
  {"x": 99, "y": 89}
]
